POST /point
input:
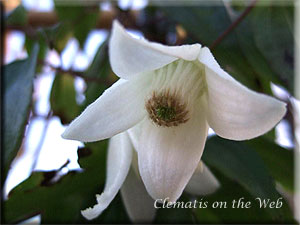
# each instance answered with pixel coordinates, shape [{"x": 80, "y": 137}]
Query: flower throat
[
  {"x": 176, "y": 88},
  {"x": 166, "y": 109}
]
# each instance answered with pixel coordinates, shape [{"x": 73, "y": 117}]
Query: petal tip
[
  {"x": 66, "y": 134},
  {"x": 69, "y": 134},
  {"x": 117, "y": 25},
  {"x": 88, "y": 214}
]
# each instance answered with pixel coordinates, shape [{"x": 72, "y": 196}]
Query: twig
[
  {"x": 233, "y": 25},
  {"x": 42, "y": 140},
  {"x": 64, "y": 165},
  {"x": 74, "y": 73},
  {"x": 28, "y": 30}
]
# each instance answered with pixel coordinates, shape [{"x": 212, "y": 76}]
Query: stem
[{"x": 233, "y": 25}]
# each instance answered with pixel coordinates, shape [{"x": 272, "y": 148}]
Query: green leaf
[
  {"x": 197, "y": 22},
  {"x": 17, "y": 17},
  {"x": 18, "y": 86},
  {"x": 278, "y": 160},
  {"x": 83, "y": 28},
  {"x": 63, "y": 98},
  {"x": 276, "y": 23},
  {"x": 80, "y": 19},
  {"x": 175, "y": 215},
  {"x": 246, "y": 42},
  {"x": 41, "y": 39},
  {"x": 52, "y": 37},
  {"x": 115, "y": 213},
  {"x": 99, "y": 68},
  {"x": 242, "y": 164},
  {"x": 247, "y": 39},
  {"x": 231, "y": 190},
  {"x": 246, "y": 52},
  {"x": 60, "y": 201},
  {"x": 62, "y": 34}
]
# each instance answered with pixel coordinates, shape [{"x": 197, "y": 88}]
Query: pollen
[{"x": 166, "y": 109}]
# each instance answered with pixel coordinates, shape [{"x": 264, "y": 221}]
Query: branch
[
  {"x": 75, "y": 74},
  {"x": 233, "y": 25},
  {"x": 45, "y": 19}
]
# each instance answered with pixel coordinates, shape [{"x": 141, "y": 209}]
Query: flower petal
[
  {"x": 234, "y": 111},
  {"x": 139, "y": 205},
  {"x": 118, "y": 164},
  {"x": 203, "y": 182},
  {"x": 117, "y": 109},
  {"x": 134, "y": 134},
  {"x": 130, "y": 56},
  {"x": 167, "y": 157}
]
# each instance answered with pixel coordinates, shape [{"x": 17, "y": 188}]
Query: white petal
[
  {"x": 203, "y": 182},
  {"x": 134, "y": 134},
  {"x": 130, "y": 56},
  {"x": 118, "y": 164},
  {"x": 234, "y": 111},
  {"x": 120, "y": 107},
  {"x": 168, "y": 157},
  {"x": 139, "y": 205}
]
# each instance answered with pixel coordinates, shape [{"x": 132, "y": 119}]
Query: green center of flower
[
  {"x": 166, "y": 109},
  {"x": 165, "y": 113}
]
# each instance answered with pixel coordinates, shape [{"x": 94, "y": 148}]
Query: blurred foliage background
[{"x": 252, "y": 40}]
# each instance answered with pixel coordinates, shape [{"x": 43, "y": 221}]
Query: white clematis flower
[
  {"x": 122, "y": 173},
  {"x": 174, "y": 94}
]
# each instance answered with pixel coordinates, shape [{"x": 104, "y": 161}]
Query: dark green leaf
[
  {"x": 256, "y": 56},
  {"x": 198, "y": 20},
  {"x": 276, "y": 23},
  {"x": 80, "y": 19},
  {"x": 229, "y": 191},
  {"x": 99, "y": 68},
  {"x": 18, "y": 85},
  {"x": 115, "y": 213},
  {"x": 278, "y": 160},
  {"x": 246, "y": 52},
  {"x": 53, "y": 37},
  {"x": 262, "y": 70},
  {"x": 17, "y": 17},
  {"x": 175, "y": 215},
  {"x": 63, "y": 33},
  {"x": 41, "y": 39},
  {"x": 63, "y": 98},
  {"x": 242, "y": 164},
  {"x": 61, "y": 201}
]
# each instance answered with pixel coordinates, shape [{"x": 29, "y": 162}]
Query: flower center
[
  {"x": 176, "y": 91},
  {"x": 166, "y": 109}
]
